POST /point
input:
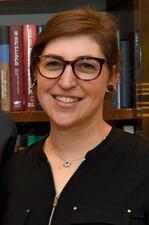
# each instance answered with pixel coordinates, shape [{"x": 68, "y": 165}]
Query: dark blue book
[
  {"x": 125, "y": 74},
  {"x": 137, "y": 51}
]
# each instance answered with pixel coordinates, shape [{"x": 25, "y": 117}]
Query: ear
[
  {"x": 34, "y": 79},
  {"x": 34, "y": 84},
  {"x": 35, "y": 74},
  {"x": 113, "y": 76}
]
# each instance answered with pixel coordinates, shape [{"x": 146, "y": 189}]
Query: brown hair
[{"x": 102, "y": 26}]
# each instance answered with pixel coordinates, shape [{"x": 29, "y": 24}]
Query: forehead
[{"x": 71, "y": 47}]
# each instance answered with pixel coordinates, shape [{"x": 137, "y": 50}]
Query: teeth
[{"x": 66, "y": 99}]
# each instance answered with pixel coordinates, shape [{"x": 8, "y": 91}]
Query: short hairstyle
[{"x": 101, "y": 26}]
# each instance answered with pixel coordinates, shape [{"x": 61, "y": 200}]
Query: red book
[
  {"x": 29, "y": 38},
  {"x": 16, "y": 68}
]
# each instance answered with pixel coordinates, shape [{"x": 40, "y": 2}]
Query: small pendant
[{"x": 67, "y": 163}]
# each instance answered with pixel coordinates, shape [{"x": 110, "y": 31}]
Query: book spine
[
  {"x": 39, "y": 28},
  {"x": 29, "y": 37},
  {"x": 21, "y": 142},
  {"x": 125, "y": 75},
  {"x": 129, "y": 129},
  {"x": 16, "y": 68},
  {"x": 137, "y": 52},
  {"x": 116, "y": 99},
  {"x": 116, "y": 95},
  {"x": 4, "y": 68}
]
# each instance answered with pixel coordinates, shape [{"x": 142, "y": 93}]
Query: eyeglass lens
[{"x": 84, "y": 68}]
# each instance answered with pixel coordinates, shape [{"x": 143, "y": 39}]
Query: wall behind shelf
[
  {"x": 24, "y": 18},
  {"x": 20, "y": 12},
  {"x": 46, "y": 6}
]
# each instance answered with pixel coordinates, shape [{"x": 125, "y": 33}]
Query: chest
[{"x": 95, "y": 194}]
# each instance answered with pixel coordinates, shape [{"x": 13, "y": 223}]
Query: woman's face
[{"x": 68, "y": 101}]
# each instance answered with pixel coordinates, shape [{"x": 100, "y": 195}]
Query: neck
[{"x": 71, "y": 143}]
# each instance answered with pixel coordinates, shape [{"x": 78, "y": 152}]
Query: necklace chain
[{"x": 68, "y": 162}]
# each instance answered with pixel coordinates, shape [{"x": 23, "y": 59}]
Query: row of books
[
  {"x": 16, "y": 43},
  {"x": 25, "y": 140},
  {"x": 16, "y": 91}
]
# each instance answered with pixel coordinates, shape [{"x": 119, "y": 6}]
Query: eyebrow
[{"x": 62, "y": 58}]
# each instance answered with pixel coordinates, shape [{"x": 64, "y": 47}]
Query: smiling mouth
[{"x": 65, "y": 99}]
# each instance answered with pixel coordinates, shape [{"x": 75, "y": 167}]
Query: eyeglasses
[{"x": 84, "y": 67}]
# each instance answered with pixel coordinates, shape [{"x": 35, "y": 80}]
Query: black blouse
[{"x": 111, "y": 187}]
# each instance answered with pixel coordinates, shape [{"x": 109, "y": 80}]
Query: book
[
  {"x": 4, "y": 69},
  {"x": 137, "y": 54},
  {"x": 16, "y": 67},
  {"x": 40, "y": 28},
  {"x": 21, "y": 142},
  {"x": 29, "y": 37},
  {"x": 129, "y": 129},
  {"x": 25, "y": 140},
  {"x": 125, "y": 74},
  {"x": 116, "y": 94},
  {"x": 31, "y": 139},
  {"x": 116, "y": 98}
]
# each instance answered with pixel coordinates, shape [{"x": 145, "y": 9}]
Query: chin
[
  {"x": 64, "y": 124},
  {"x": 63, "y": 120}
]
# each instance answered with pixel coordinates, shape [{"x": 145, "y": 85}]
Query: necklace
[{"x": 67, "y": 162}]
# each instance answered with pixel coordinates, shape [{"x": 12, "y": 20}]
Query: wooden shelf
[
  {"x": 121, "y": 114},
  {"x": 40, "y": 116},
  {"x": 28, "y": 116}
]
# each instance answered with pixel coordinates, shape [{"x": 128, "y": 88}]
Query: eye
[
  {"x": 51, "y": 64},
  {"x": 86, "y": 67}
]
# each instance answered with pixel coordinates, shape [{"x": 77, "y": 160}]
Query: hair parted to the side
[{"x": 101, "y": 26}]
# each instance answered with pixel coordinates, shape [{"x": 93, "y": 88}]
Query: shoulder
[
  {"x": 20, "y": 163},
  {"x": 132, "y": 145},
  {"x": 7, "y": 121},
  {"x": 135, "y": 141},
  {"x": 8, "y": 133},
  {"x": 23, "y": 157}
]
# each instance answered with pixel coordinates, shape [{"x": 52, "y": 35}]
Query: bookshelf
[
  {"x": 137, "y": 17},
  {"x": 40, "y": 116}
]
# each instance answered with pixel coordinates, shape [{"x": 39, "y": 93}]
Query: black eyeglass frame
[{"x": 101, "y": 62}]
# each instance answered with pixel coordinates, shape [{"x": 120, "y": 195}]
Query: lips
[{"x": 66, "y": 99}]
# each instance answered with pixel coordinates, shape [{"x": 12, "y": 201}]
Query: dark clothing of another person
[
  {"x": 8, "y": 135},
  {"x": 111, "y": 187}
]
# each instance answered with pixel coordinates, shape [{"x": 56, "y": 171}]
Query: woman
[
  {"x": 8, "y": 135},
  {"x": 84, "y": 171}
]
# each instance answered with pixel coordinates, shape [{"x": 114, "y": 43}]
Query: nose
[{"x": 68, "y": 80}]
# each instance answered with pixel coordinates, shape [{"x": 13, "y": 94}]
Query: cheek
[
  {"x": 42, "y": 90},
  {"x": 96, "y": 88},
  {"x": 42, "y": 93},
  {"x": 43, "y": 84},
  {"x": 100, "y": 85}
]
